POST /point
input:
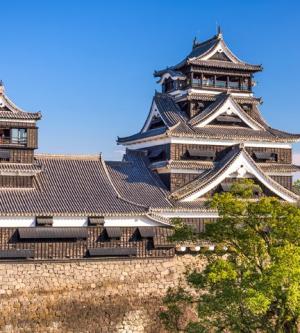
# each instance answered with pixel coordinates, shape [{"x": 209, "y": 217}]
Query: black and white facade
[{"x": 203, "y": 132}]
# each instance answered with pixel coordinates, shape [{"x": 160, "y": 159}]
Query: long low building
[{"x": 203, "y": 132}]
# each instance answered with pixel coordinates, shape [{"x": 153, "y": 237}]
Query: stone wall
[{"x": 88, "y": 296}]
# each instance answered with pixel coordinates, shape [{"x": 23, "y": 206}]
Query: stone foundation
[{"x": 88, "y": 296}]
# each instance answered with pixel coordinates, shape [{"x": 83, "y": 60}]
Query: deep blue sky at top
[{"x": 88, "y": 65}]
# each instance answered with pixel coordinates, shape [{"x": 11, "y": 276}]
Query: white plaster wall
[
  {"x": 15, "y": 222},
  {"x": 140, "y": 221},
  {"x": 188, "y": 214},
  {"x": 70, "y": 221}
]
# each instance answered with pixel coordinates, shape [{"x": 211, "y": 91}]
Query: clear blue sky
[{"x": 87, "y": 65}]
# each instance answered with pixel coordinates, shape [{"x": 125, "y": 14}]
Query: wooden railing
[
  {"x": 13, "y": 141},
  {"x": 198, "y": 83}
]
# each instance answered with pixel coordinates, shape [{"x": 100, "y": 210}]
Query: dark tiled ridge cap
[
  {"x": 70, "y": 157},
  {"x": 20, "y": 115},
  {"x": 212, "y": 98},
  {"x": 224, "y": 64}
]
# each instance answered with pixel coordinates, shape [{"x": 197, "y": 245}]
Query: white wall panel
[
  {"x": 70, "y": 221},
  {"x": 15, "y": 222}
]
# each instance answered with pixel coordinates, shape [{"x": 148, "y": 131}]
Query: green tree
[
  {"x": 296, "y": 186},
  {"x": 255, "y": 285}
]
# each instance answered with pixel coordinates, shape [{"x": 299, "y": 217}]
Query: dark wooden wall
[
  {"x": 21, "y": 155},
  {"x": 77, "y": 249},
  {"x": 286, "y": 181},
  {"x": 178, "y": 151},
  {"x": 178, "y": 180},
  {"x": 32, "y": 138},
  {"x": 16, "y": 181}
]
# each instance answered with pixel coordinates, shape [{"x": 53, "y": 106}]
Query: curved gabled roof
[
  {"x": 8, "y": 110},
  {"x": 178, "y": 125},
  {"x": 216, "y": 106},
  {"x": 236, "y": 161},
  {"x": 169, "y": 111},
  {"x": 203, "y": 54},
  {"x": 137, "y": 183}
]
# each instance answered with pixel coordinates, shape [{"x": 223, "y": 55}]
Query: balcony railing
[
  {"x": 233, "y": 85},
  {"x": 221, "y": 84},
  {"x": 244, "y": 87},
  {"x": 13, "y": 141},
  {"x": 198, "y": 83},
  {"x": 208, "y": 83}
]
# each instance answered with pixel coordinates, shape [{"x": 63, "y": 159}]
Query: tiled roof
[
  {"x": 20, "y": 167},
  {"x": 20, "y": 115},
  {"x": 207, "y": 165},
  {"x": 184, "y": 164},
  {"x": 171, "y": 114},
  {"x": 282, "y": 134},
  {"x": 148, "y": 134},
  {"x": 197, "y": 205},
  {"x": 9, "y": 110},
  {"x": 231, "y": 132},
  {"x": 212, "y": 98},
  {"x": 224, "y": 64},
  {"x": 278, "y": 167},
  {"x": 68, "y": 186},
  {"x": 178, "y": 125},
  {"x": 175, "y": 75},
  {"x": 168, "y": 109},
  {"x": 135, "y": 182},
  {"x": 209, "y": 176},
  {"x": 222, "y": 98},
  {"x": 216, "y": 132},
  {"x": 200, "y": 50}
]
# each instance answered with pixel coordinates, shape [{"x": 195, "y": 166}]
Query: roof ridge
[
  {"x": 197, "y": 44},
  {"x": 158, "y": 218},
  {"x": 219, "y": 102},
  {"x": 118, "y": 162},
  {"x": 115, "y": 189},
  {"x": 284, "y": 189},
  {"x": 226, "y": 160},
  {"x": 91, "y": 157},
  {"x": 284, "y": 132},
  {"x": 187, "y": 190},
  {"x": 157, "y": 181}
]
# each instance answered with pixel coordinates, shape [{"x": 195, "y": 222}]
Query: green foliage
[
  {"x": 182, "y": 232},
  {"x": 296, "y": 186},
  {"x": 245, "y": 188},
  {"x": 256, "y": 285}
]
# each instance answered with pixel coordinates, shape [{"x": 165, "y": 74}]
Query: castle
[{"x": 203, "y": 131}]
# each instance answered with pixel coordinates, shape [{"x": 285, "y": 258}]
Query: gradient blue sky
[{"x": 88, "y": 65}]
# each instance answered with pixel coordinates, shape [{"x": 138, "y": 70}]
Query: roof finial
[
  {"x": 194, "y": 42},
  {"x": 219, "y": 32},
  {"x": 1, "y": 87}
]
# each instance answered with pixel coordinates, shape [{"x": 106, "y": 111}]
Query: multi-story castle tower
[
  {"x": 205, "y": 129},
  {"x": 18, "y": 140}
]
